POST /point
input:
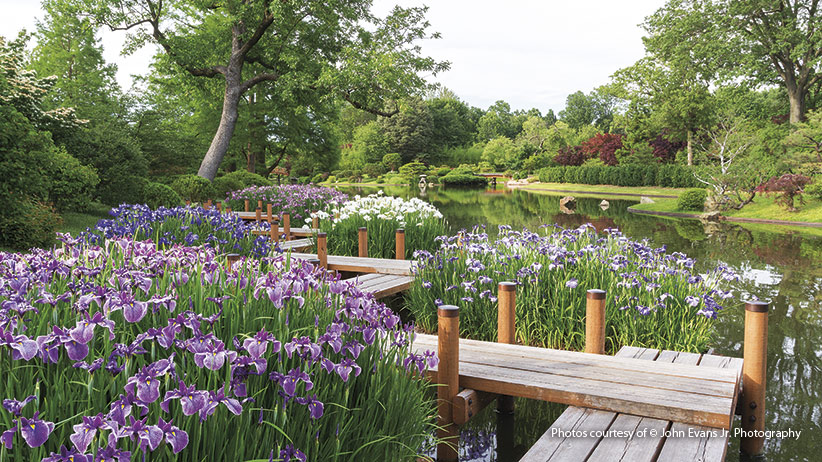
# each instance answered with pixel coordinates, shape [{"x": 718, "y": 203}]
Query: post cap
[
  {"x": 363, "y": 229},
  {"x": 322, "y": 235},
  {"x": 448, "y": 311},
  {"x": 400, "y": 231},
  {"x": 596, "y": 294},
  {"x": 314, "y": 261},
  {"x": 507, "y": 286},
  {"x": 286, "y": 214},
  {"x": 757, "y": 306}
]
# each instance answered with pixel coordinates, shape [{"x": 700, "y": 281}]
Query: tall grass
[
  {"x": 197, "y": 322},
  {"x": 654, "y": 299},
  {"x": 382, "y": 216}
]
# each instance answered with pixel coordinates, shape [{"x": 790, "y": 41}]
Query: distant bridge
[{"x": 493, "y": 175}]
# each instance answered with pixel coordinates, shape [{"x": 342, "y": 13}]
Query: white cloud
[{"x": 529, "y": 53}]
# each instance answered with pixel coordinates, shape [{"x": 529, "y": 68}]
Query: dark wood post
[
  {"x": 400, "y": 244},
  {"x": 315, "y": 222},
  {"x": 448, "y": 378},
  {"x": 247, "y": 206},
  {"x": 259, "y": 215},
  {"x": 286, "y": 225},
  {"x": 231, "y": 259},
  {"x": 322, "y": 249},
  {"x": 506, "y": 329},
  {"x": 274, "y": 231},
  {"x": 754, "y": 370},
  {"x": 595, "y": 322},
  {"x": 227, "y": 209},
  {"x": 259, "y": 203},
  {"x": 363, "y": 242},
  {"x": 269, "y": 209},
  {"x": 219, "y": 207},
  {"x": 208, "y": 205}
]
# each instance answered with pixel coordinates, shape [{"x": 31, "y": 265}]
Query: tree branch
[
  {"x": 264, "y": 77},
  {"x": 347, "y": 96}
]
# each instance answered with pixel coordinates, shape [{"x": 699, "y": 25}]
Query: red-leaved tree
[
  {"x": 604, "y": 145},
  {"x": 664, "y": 149},
  {"x": 788, "y": 187},
  {"x": 570, "y": 155}
]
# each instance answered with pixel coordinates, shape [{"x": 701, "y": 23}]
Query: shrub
[
  {"x": 603, "y": 146},
  {"x": 239, "y": 179},
  {"x": 194, "y": 188},
  {"x": 73, "y": 185},
  {"x": 457, "y": 179},
  {"x": 788, "y": 187},
  {"x": 570, "y": 155},
  {"x": 318, "y": 178},
  {"x": 373, "y": 170},
  {"x": 815, "y": 189},
  {"x": 25, "y": 224},
  {"x": 159, "y": 195},
  {"x": 392, "y": 160},
  {"x": 692, "y": 199},
  {"x": 225, "y": 184},
  {"x": 413, "y": 169},
  {"x": 331, "y": 179}
]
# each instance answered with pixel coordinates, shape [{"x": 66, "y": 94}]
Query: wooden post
[
  {"x": 363, "y": 241},
  {"x": 246, "y": 206},
  {"x": 315, "y": 222},
  {"x": 274, "y": 231},
  {"x": 188, "y": 202},
  {"x": 228, "y": 209},
  {"x": 208, "y": 204},
  {"x": 219, "y": 207},
  {"x": 287, "y": 225},
  {"x": 595, "y": 322},
  {"x": 506, "y": 329},
  {"x": 269, "y": 209},
  {"x": 754, "y": 369},
  {"x": 231, "y": 259},
  {"x": 322, "y": 249},
  {"x": 448, "y": 378},
  {"x": 259, "y": 204},
  {"x": 259, "y": 215},
  {"x": 400, "y": 247}
]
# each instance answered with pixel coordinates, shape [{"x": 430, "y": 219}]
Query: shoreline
[{"x": 761, "y": 221}]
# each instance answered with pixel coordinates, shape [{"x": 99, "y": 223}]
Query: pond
[{"x": 775, "y": 263}]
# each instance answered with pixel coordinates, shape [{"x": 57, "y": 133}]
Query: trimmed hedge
[
  {"x": 157, "y": 195},
  {"x": 194, "y": 188},
  {"x": 667, "y": 175}
]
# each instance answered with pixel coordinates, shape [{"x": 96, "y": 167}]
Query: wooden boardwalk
[
  {"x": 296, "y": 244},
  {"x": 382, "y": 285},
  {"x": 362, "y": 264},
  {"x": 682, "y": 392},
  {"x": 301, "y": 232},
  {"x": 631, "y": 437}
]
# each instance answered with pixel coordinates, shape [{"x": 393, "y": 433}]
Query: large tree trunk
[
  {"x": 219, "y": 144},
  {"x": 690, "y": 147},
  {"x": 796, "y": 96}
]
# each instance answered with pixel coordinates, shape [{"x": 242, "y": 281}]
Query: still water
[{"x": 783, "y": 265}]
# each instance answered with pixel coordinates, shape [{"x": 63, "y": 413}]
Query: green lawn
[
  {"x": 593, "y": 189},
  {"x": 764, "y": 207},
  {"x": 74, "y": 223}
]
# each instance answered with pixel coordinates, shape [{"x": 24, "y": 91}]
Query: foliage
[
  {"x": 72, "y": 184},
  {"x": 297, "y": 200},
  {"x": 452, "y": 125},
  {"x": 604, "y": 146},
  {"x": 692, "y": 199},
  {"x": 595, "y": 109},
  {"x": 463, "y": 177},
  {"x": 502, "y": 153},
  {"x": 194, "y": 188},
  {"x": 381, "y": 216},
  {"x": 25, "y": 224},
  {"x": 392, "y": 160},
  {"x": 413, "y": 170},
  {"x": 665, "y": 149},
  {"x": 409, "y": 132},
  {"x": 237, "y": 180},
  {"x": 266, "y": 351},
  {"x": 815, "y": 189},
  {"x": 654, "y": 299},
  {"x": 667, "y": 175},
  {"x": 157, "y": 195},
  {"x": 570, "y": 155},
  {"x": 787, "y": 187}
]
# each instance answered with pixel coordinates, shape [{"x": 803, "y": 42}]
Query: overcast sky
[{"x": 528, "y": 53}]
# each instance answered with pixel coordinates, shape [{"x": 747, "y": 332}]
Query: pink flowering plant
[
  {"x": 124, "y": 351},
  {"x": 654, "y": 298}
]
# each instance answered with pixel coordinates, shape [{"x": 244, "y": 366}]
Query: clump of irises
[
  {"x": 654, "y": 298},
  {"x": 297, "y": 200},
  {"x": 126, "y": 351},
  {"x": 190, "y": 226}
]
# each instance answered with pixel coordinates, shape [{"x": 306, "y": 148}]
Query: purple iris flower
[
  {"x": 258, "y": 345},
  {"x": 49, "y": 351},
  {"x": 214, "y": 399},
  {"x": 214, "y": 358},
  {"x": 16, "y": 407},
  {"x": 572, "y": 283},
  {"x": 135, "y": 310},
  {"x": 112, "y": 454},
  {"x": 22, "y": 346},
  {"x": 191, "y": 399},
  {"x": 121, "y": 409},
  {"x": 67, "y": 455},
  {"x": 345, "y": 367},
  {"x": 315, "y": 406},
  {"x": 175, "y": 437},
  {"x": 89, "y": 367},
  {"x": 84, "y": 433},
  {"x": 35, "y": 431},
  {"x": 292, "y": 454},
  {"x": 148, "y": 435},
  {"x": 304, "y": 347},
  {"x": 7, "y": 437}
]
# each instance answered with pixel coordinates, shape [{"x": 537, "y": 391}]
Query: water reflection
[{"x": 780, "y": 266}]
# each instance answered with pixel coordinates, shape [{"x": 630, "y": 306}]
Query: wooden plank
[
  {"x": 558, "y": 443},
  {"x": 297, "y": 244},
  {"x": 516, "y": 353},
  {"x": 633, "y": 447},
  {"x": 363, "y": 265},
  {"x": 305, "y": 232},
  {"x": 396, "y": 285},
  {"x": 468, "y": 403},
  {"x": 691, "y": 443}
]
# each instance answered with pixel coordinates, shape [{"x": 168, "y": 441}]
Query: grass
[
  {"x": 594, "y": 189},
  {"x": 76, "y": 222},
  {"x": 763, "y": 207}
]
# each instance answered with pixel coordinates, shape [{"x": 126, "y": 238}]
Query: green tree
[
  {"x": 760, "y": 41},
  {"x": 369, "y": 144},
  {"x": 806, "y": 140},
  {"x": 409, "y": 132},
  {"x": 452, "y": 124},
  {"x": 323, "y": 47},
  {"x": 596, "y": 109},
  {"x": 392, "y": 160},
  {"x": 501, "y": 152},
  {"x": 497, "y": 121}
]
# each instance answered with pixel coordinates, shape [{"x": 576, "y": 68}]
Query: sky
[{"x": 532, "y": 54}]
